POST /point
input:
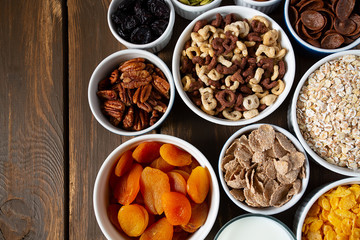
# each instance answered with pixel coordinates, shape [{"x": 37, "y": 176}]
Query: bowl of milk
[{"x": 255, "y": 227}]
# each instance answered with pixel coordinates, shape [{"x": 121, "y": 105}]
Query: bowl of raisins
[
  {"x": 156, "y": 186},
  {"x": 144, "y": 24}
]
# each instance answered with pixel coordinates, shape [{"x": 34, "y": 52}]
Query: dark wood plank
[
  {"x": 90, "y": 41},
  {"x": 31, "y": 120}
]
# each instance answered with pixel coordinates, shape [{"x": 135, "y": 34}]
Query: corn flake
[{"x": 335, "y": 215}]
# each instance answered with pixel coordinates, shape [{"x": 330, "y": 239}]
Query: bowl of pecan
[
  {"x": 190, "y": 9},
  {"x": 325, "y": 113},
  {"x": 131, "y": 92},
  {"x": 144, "y": 25},
  {"x": 263, "y": 169},
  {"x": 233, "y": 65},
  {"x": 265, "y": 6},
  {"x": 324, "y": 26},
  {"x": 156, "y": 186}
]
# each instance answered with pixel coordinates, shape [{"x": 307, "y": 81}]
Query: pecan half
[
  {"x": 161, "y": 85},
  {"x": 129, "y": 118},
  {"x": 114, "y": 76},
  {"x": 114, "y": 108},
  {"x": 154, "y": 117},
  {"x": 107, "y": 94},
  {"x": 161, "y": 107},
  {"x": 135, "y": 79},
  {"x": 124, "y": 94},
  {"x": 135, "y": 64}
]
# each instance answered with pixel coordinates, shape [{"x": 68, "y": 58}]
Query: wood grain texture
[
  {"x": 31, "y": 123},
  {"x": 90, "y": 41}
]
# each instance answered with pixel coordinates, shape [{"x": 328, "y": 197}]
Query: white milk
[{"x": 255, "y": 228}]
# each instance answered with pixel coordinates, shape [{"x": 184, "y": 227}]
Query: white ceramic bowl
[
  {"x": 267, "y": 210},
  {"x": 293, "y": 124},
  {"x": 263, "y": 6},
  {"x": 154, "y": 46},
  {"x": 247, "y": 226},
  {"x": 242, "y": 12},
  {"x": 191, "y": 12},
  {"x": 313, "y": 197},
  {"x": 105, "y": 68},
  {"x": 306, "y": 45},
  {"x": 101, "y": 187}
]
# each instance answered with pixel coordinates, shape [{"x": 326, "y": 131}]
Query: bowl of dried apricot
[
  {"x": 156, "y": 186},
  {"x": 233, "y": 65},
  {"x": 131, "y": 92},
  {"x": 330, "y": 212},
  {"x": 323, "y": 26},
  {"x": 324, "y": 112},
  {"x": 263, "y": 169}
]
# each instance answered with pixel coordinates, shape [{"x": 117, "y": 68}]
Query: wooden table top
[{"x": 51, "y": 146}]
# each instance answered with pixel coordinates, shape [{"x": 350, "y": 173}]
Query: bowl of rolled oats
[
  {"x": 263, "y": 169},
  {"x": 233, "y": 65},
  {"x": 131, "y": 92},
  {"x": 325, "y": 112}
]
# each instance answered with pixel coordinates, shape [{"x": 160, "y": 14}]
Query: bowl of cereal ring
[
  {"x": 131, "y": 92},
  {"x": 323, "y": 26},
  {"x": 233, "y": 65},
  {"x": 263, "y": 169},
  {"x": 330, "y": 212},
  {"x": 324, "y": 112}
]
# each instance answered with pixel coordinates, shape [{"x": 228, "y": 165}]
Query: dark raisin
[
  {"x": 144, "y": 16},
  {"x": 141, "y": 35},
  {"x": 126, "y": 6},
  {"x": 123, "y": 34},
  {"x": 158, "y": 27},
  {"x": 159, "y": 8},
  {"x": 116, "y": 19},
  {"x": 130, "y": 22}
]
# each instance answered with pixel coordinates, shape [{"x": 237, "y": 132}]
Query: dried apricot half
[
  {"x": 146, "y": 152},
  {"x": 174, "y": 155},
  {"x": 177, "y": 208},
  {"x": 128, "y": 186},
  {"x": 160, "y": 230},
  {"x": 198, "y": 184},
  {"x": 133, "y": 219},
  {"x": 124, "y": 163}
]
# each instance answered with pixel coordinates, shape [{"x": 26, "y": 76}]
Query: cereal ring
[
  {"x": 234, "y": 115},
  {"x": 260, "y": 95},
  {"x": 250, "y": 113},
  {"x": 257, "y": 77},
  {"x": 215, "y": 75},
  {"x": 205, "y": 31},
  {"x": 270, "y": 37},
  {"x": 279, "y": 88},
  {"x": 226, "y": 97},
  {"x": 186, "y": 81},
  {"x": 268, "y": 51},
  {"x": 206, "y": 50},
  {"x": 207, "y": 98},
  {"x": 191, "y": 50},
  {"x": 268, "y": 99},
  {"x": 223, "y": 61},
  {"x": 232, "y": 85},
  {"x": 275, "y": 74},
  {"x": 251, "y": 102},
  {"x": 262, "y": 20}
]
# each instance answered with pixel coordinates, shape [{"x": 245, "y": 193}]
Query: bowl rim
[
  {"x": 92, "y": 98},
  {"x": 189, "y": 8},
  {"x": 260, "y": 3},
  {"x": 267, "y": 210},
  {"x": 307, "y": 45},
  {"x": 149, "y": 45},
  {"x": 246, "y": 215},
  {"x": 293, "y": 118},
  {"x": 238, "y": 10},
  {"x": 323, "y": 189},
  {"x": 103, "y": 221}
]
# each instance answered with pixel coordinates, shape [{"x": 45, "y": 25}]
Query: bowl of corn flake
[
  {"x": 325, "y": 112},
  {"x": 332, "y": 212},
  {"x": 263, "y": 169},
  {"x": 190, "y": 9}
]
